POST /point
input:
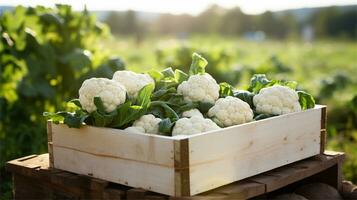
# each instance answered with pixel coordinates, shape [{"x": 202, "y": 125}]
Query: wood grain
[
  {"x": 144, "y": 175},
  {"x": 115, "y": 143}
]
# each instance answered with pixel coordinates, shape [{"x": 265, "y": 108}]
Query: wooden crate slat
[
  {"x": 145, "y": 175},
  {"x": 115, "y": 143}
]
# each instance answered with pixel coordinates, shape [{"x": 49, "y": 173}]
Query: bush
[{"x": 45, "y": 54}]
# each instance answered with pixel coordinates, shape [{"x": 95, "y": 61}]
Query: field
[
  {"x": 45, "y": 55},
  {"x": 327, "y": 69}
]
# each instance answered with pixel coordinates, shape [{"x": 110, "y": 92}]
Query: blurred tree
[
  {"x": 125, "y": 23},
  {"x": 173, "y": 24},
  {"x": 114, "y": 21},
  {"x": 209, "y": 20},
  {"x": 332, "y": 22},
  {"x": 235, "y": 22},
  {"x": 271, "y": 25},
  {"x": 328, "y": 22}
]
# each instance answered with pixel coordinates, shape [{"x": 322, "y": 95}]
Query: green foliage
[
  {"x": 198, "y": 64},
  {"x": 225, "y": 89},
  {"x": 306, "y": 100},
  {"x": 262, "y": 116},
  {"x": 165, "y": 126},
  {"x": 260, "y": 81},
  {"x": 45, "y": 54},
  {"x": 245, "y": 96}
]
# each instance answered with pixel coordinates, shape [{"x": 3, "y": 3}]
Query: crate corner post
[
  {"x": 323, "y": 134},
  {"x": 182, "y": 167},
  {"x": 50, "y": 143}
]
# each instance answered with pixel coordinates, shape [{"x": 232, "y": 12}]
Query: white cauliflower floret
[
  {"x": 111, "y": 93},
  {"x": 195, "y": 124},
  {"x": 132, "y": 81},
  {"x": 191, "y": 113},
  {"x": 200, "y": 87},
  {"x": 135, "y": 129},
  {"x": 277, "y": 100},
  {"x": 149, "y": 123},
  {"x": 231, "y": 111}
]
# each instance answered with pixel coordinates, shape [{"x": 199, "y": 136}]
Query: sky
[{"x": 193, "y": 7}]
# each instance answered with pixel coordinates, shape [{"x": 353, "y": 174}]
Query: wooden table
[{"x": 34, "y": 179}]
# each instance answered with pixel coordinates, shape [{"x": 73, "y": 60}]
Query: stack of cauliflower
[{"x": 225, "y": 108}]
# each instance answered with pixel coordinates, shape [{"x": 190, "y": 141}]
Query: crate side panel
[
  {"x": 127, "y": 172},
  {"x": 219, "y": 158},
  {"x": 115, "y": 143}
]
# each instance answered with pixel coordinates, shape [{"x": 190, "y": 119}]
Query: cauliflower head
[
  {"x": 230, "y": 111},
  {"x": 195, "y": 124},
  {"x": 199, "y": 87},
  {"x": 111, "y": 93},
  {"x": 135, "y": 129},
  {"x": 132, "y": 81},
  {"x": 277, "y": 100},
  {"x": 149, "y": 123},
  {"x": 191, "y": 113}
]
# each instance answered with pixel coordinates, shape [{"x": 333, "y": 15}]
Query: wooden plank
[
  {"x": 49, "y": 143},
  {"x": 111, "y": 194},
  {"x": 323, "y": 117},
  {"x": 139, "y": 194},
  {"x": 323, "y": 140},
  {"x": 26, "y": 188},
  {"x": 286, "y": 175},
  {"x": 127, "y": 172},
  {"x": 244, "y": 189},
  {"x": 27, "y": 165},
  {"x": 115, "y": 143},
  {"x": 182, "y": 175},
  {"x": 323, "y": 129},
  {"x": 234, "y": 153}
]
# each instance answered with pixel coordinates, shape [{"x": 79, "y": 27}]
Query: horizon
[{"x": 180, "y": 7}]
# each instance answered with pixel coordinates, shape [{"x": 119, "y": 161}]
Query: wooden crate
[{"x": 188, "y": 165}]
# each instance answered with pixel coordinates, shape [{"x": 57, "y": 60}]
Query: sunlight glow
[{"x": 183, "y": 6}]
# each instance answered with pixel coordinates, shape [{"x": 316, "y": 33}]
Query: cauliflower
[
  {"x": 191, "y": 113},
  {"x": 277, "y": 100},
  {"x": 199, "y": 87},
  {"x": 149, "y": 123},
  {"x": 135, "y": 129},
  {"x": 111, "y": 93},
  {"x": 195, "y": 124},
  {"x": 230, "y": 111},
  {"x": 132, "y": 81}
]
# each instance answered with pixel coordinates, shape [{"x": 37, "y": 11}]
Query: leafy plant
[{"x": 45, "y": 54}]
